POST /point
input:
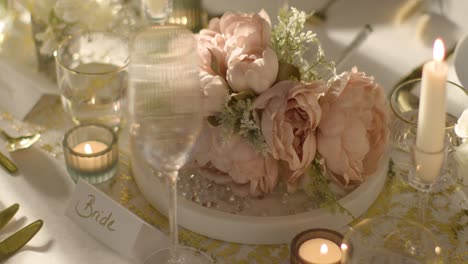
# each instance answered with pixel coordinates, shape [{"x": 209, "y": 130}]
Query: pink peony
[
  {"x": 236, "y": 161},
  {"x": 214, "y": 93},
  {"x": 251, "y": 63},
  {"x": 211, "y": 51},
  {"x": 255, "y": 71},
  {"x": 290, "y": 115},
  {"x": 237, "y": 47},
  {"x": 211, "y": 45},
  {"x": 353, "y": 133},
  {"x": 251, "y": 32}
]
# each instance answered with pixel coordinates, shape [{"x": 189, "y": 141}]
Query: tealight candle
[
  {"x": 317, "y": 246},
  {"x": 91, "y": 153},
  {"x": 320, "y": 251},
  {"x": 89, "y": 148}
]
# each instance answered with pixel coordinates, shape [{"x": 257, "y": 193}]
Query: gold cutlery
[
  {"x": 14, "y": 144},
  {"x": 321, "y": 15},
  {"x": 15, "y": 242},
  {"x": 7, "y": 214},
  {"x": 407, "y": 9},
  {"x": 22, "y": 142},
  {"x": 7, "y": 163}
]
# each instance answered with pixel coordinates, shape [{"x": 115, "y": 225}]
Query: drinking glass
[
  {"x": 389, "y": 239},
  {"x": 188, "y": 13},
  {"x": 92, "y": 77},
  {"x": 156, "y": 11},
  {"x": 165, "y": 115}
]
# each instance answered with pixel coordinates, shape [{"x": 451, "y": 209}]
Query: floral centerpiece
[{"x": 272, "y": 115}]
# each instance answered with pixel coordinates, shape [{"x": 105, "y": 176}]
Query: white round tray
[{"x": 262, "y": 230}]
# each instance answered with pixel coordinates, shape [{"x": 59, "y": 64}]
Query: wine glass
[
  {"x": 389, "y": 239},
  {"x": 166, "y": 114}
]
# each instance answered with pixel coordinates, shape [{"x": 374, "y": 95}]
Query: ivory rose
[
  {"x": 290, "y": 115},
  {"x": 235, "y": 160},
  {"x": 353, "y": 133}
]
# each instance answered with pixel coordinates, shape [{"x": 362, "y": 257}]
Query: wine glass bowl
[
  {"x": 165, "y": 114},
  {"x": 389, "y": 239},
  {"x": 404, "y": 105}
]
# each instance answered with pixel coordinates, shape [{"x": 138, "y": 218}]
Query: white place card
[{"x": 113, "y": 224}]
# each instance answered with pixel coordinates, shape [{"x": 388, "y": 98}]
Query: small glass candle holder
[
  {"x": 91, "y": 153},
  {"x": 429, "y": 168},
  {"x": 404, "y": 104},
  {"x": 315, "y": 246}
]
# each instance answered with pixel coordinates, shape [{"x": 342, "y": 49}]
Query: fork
[{"x": 321, "y": 15}]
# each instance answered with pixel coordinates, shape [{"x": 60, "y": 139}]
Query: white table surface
[{"x": 42, "y": 186}]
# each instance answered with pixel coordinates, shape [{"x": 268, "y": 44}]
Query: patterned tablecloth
[{"x": 447, "y": 217}]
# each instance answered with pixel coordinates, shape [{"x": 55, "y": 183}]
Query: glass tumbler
[
  {"x": 189, "y": 13},
  {"x": 92, "y": 77}
]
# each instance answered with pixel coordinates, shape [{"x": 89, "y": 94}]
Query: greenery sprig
[
  {"x": 236, "y": 117},
  {"x": 319, "y": 189},
  {"x": 291, "y": 42}
]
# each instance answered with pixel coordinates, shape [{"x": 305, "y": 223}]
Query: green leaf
[
  {"x": 245, "y": 94},
  {"x": 290, "y": 41},
  {"x": 236, "y": 117},
  {"x": 319, "y": 189}
]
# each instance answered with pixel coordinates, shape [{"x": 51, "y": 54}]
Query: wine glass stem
[
  {"x": 174, "y": 232},
  {"x": 423, "y": 205}
]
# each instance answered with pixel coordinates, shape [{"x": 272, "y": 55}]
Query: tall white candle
[{"x": 431, "y": 120}]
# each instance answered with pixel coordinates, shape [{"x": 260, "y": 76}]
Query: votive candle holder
[
  {"x": 330, "y": 239},
  {"x": 91, "y": 153}
]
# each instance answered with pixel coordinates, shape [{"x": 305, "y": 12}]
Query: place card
[{"x": 112, "y": 224}]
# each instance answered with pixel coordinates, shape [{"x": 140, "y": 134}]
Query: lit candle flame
[
  {"x": 88, "y": 149},
  {"x": 323, "y": 249},
  {"x": 439, "y": 50}
]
